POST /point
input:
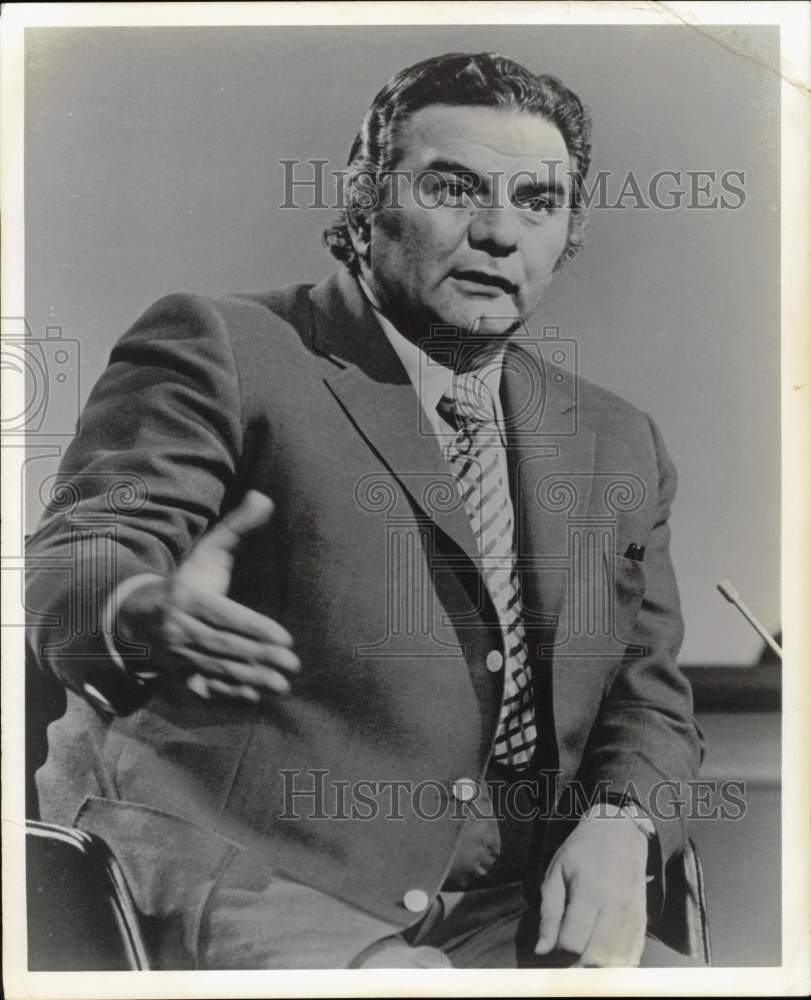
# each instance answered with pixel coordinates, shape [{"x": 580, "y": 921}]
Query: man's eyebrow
[
  {"x": 441, "y": 166},
  {"x": 525, "y": 186}
]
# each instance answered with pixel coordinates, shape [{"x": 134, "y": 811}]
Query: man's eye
[{"x": 455, "y": 191}]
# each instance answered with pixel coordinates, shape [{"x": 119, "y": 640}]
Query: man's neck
[{"x": 461, "y": 356}]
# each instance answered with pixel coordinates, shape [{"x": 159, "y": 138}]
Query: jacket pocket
[{"x": 170, "y": 863}]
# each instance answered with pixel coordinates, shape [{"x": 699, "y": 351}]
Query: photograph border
[{"x": 792, "y": 977}]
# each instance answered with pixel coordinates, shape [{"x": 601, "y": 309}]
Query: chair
[
  {"x": 81, "y": 915},
  {"x": 45, "y": 702},
  {"x": 683, "y": 923}
]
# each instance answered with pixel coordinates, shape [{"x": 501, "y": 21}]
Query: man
[{"x": 386, "y": 673}]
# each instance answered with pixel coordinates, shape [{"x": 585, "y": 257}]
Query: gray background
[{"x": 152, "y": 166}]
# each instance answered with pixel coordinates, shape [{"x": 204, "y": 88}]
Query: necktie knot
[{"x": 469, "y": 405}]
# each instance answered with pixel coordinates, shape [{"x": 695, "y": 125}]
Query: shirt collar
[{"x": 430, "y": 379}]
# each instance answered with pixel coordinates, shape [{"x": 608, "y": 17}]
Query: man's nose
[{"x": 494, "y": 230}]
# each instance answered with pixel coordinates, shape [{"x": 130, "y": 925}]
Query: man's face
[{"x": 441, "y": 254}]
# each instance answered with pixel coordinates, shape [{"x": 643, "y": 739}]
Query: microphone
[{"x": 731, "y": 594}]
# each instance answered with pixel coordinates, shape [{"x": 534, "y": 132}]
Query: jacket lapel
[
  {"x": 374, "y": 390},
  {"x": 551, "y": 460}
]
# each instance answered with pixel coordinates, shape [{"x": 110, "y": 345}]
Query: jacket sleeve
[
  {"x": 645, "y": 743},
  {"x": 150, "y": 468}
]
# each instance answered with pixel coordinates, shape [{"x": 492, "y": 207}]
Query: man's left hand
[{"x": 593, "y": 900}]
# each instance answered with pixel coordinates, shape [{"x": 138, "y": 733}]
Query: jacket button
[
  {"x": 465, "y": 789},
  {"x": 494, "y": 661},
  {"x": 415, "y": 900}
]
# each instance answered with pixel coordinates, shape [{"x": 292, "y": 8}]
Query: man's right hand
[{"x": 197, "y": 635}]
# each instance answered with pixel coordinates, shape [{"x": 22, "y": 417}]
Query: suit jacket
[{"x": 369, "y": 561}]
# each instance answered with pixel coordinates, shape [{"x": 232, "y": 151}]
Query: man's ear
[{"x": 360, "y": 232}]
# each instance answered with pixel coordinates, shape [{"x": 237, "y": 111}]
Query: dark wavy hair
[{"x": 486, "y": 80}]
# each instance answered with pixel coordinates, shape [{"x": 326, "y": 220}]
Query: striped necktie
[{"x": 476, "y": 458}]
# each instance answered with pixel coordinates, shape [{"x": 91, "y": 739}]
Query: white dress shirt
[{"x": 432, "y": 380}]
